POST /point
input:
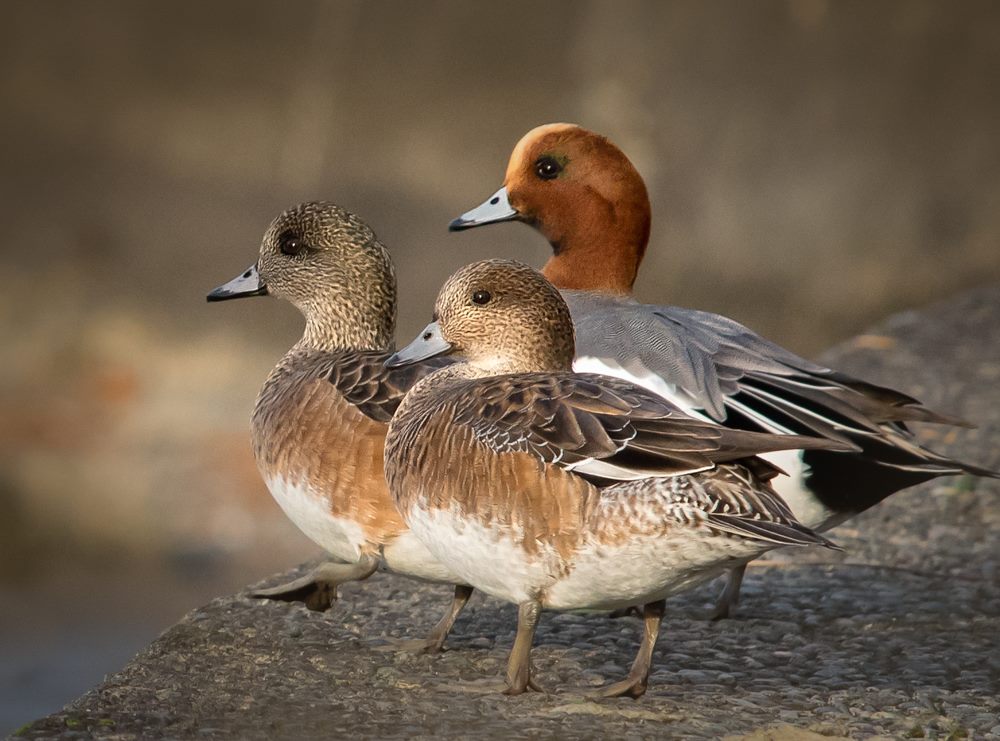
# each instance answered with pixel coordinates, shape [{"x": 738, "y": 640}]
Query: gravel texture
[{"x": 899, "y": 637}]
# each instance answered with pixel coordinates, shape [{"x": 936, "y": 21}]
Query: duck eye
[
  {"x": 289, "y": 244},
  {"x": 481, "y": 297},
  {"x": 547, "y": 167}
]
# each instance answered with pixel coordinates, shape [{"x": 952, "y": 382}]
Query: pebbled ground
[{"x": 898, "y": 637}]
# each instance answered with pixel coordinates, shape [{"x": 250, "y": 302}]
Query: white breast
[
  {"x": 490, "y": 560},
  {"x": 309, "y": 509},
  {"x": 406, "y": 555},
  {"x": 644, "y": 568}
]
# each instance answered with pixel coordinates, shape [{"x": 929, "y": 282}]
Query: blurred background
[{"x": 813, "y": 166}]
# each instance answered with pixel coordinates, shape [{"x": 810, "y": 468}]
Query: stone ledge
[{"x": 895, "y": 638}]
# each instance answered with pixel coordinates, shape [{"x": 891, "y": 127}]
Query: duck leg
[
  {"x": 435, "y": 641},
  {"x": 725, "y": 606},
  {"x": 318, "y": 588},
  {"x": 634, "y": 685},
  {"x": 519, "y": 663}
]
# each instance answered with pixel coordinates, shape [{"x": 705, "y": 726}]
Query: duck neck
[
  {"x": 601, "y": 250},
  {"x": 351, "y": 327},
  {"x": 484, "y": 367}
]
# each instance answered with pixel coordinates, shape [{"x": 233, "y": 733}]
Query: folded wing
[{"x": 605, "y": 428}]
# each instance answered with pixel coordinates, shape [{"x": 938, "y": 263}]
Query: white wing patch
[{"x": 641, "y": 376}]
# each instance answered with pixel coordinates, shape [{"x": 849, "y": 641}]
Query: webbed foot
[
  {"x": 435, "y": 641},
  {"x": 634, "y": 685},
  {"x": 519, "y": 663},
  {"x": 318, "y": 589},
  {"x": 631, "y": 686},
  {"x": 520, "y": 689}
]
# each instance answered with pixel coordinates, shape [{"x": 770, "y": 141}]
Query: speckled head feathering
[
  {"x": 500, "y": 317},
  {"x": 331, "y": 266}
]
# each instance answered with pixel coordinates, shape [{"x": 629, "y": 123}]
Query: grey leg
[
  {"x": 634, "y": 685},
  {"x": 435, "y": 641},
  {"x": 519, "y": 663},
  {"x": 725, "y": 606},
  {"x": 318, "y": 589}
]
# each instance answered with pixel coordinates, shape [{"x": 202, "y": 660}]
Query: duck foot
[
  {"x": 531, "y": 686},
  {"x": 435, "y": 641},
  {"x": 519, "y": 664},
  {"x": 318, "y": 589},
  {"x": 634, "y": 685},
  {"x": 631, "y": 686}
]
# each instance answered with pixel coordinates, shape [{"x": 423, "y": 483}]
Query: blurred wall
[{"x": 813, "y": 166}]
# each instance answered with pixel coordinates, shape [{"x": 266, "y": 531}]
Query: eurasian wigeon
[
  {"x": 318, "y": 427},
  {"x": 585, "y": 196},
  {"x": 558, "y": 490}
]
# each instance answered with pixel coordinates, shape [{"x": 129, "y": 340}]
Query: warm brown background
[{"x": 812, "y": 165}]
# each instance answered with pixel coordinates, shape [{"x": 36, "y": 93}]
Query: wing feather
[
  {"x": 362, "y": 378},
  {"x": 603, "y": 427},
  {"x": 717, "y": 367},
  {"x": 711, "y": 358}
]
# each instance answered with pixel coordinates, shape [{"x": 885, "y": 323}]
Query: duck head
[
  {"x": 330, "y": 265},
  {"x": 585, "y": 196},
  {"x": 501, "y": 316}
]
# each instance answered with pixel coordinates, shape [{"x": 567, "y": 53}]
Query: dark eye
[
  {"x": 547, "y": 167},
  {"x": 289, "y": 244},
  {"x": 481, "y": 297}
]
